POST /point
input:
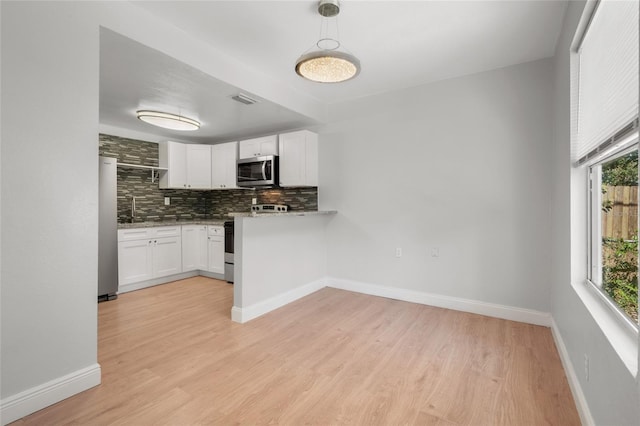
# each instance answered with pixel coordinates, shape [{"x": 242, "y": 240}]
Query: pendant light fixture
[
  {"x": 168, "y": 121},
  {"x": 325, "y": 62}
]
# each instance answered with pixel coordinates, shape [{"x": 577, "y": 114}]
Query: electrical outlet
[
  {"x": 398, "y": 252},
  {"x": 586, "y": 367},
  {"x": 254, "y": 201},
  {"x": 435, "y": 252},
  {"x": 167, "y": 201}
]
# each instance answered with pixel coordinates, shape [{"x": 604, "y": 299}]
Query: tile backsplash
[{"x": 185, "y": 205}]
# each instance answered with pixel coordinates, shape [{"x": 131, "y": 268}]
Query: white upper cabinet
[
  {"x": 298, "y": 158},
  {"x": 173, "y": 156},
  {"x": 189, "y": 166},
  {"x": 198, "y": 166},
  {"x": 266, "y": 145},
  {"x": 223, "y": 165}
]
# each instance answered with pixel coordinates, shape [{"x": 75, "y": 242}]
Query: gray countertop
[
  {"x": 219, "y": 222},
  {"x": 151, "y": 224}
]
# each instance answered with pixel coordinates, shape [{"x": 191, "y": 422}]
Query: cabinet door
[
  {"x": 134, "y": 261},
  {"x": 194, "y": 247},
  {"x": 172, "y": 155},
  {"x": 266, "y": 145},
  {"x": 223, "y": 165},
  {"x": 230, "y": 154},
  {"x": 167, "y": 256},
  {"x": 198, "y": 164},
  {"x": 218, "y": 167},
  {"x": 298, "y": 159},
  {"x": 216, "y": 254}
]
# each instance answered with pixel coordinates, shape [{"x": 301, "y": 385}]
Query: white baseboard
[
  {"x": 24, "y": 403},
  {"x": 125, "y": 288},
  {"x": 528, "y": 316},
  {"x": 213, "y": 275},
  {"x": 578, "y": 396},
  {"x": 248, "y": 313}
]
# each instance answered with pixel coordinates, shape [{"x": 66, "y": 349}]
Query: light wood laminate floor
[{"x": 171, "y": 355}]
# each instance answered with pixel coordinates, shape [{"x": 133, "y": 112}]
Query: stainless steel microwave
[{"x": 258, "y": 171}]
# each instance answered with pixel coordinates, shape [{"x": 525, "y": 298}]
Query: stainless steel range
[{"x": 228, "y": 250}]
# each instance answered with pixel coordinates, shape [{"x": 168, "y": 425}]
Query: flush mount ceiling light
[
  {"x": 168, "y": 121},
  {"x": 325, "y": 62}
]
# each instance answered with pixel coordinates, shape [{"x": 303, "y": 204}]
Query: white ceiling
[
  {"x": 399, "y": 43},
  {"x": 135, "y": 77}
]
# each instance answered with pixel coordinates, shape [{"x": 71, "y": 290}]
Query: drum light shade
[{"x": 328, "y": 66}]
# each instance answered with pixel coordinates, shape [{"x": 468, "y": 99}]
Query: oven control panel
[{"x": 269, "y": 208}]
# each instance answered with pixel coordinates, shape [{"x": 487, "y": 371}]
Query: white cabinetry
[
  {"x": 173, "y": 156},
  {"x": 223, "y": 165},
  {"x": 189, "y": 166},
  {"x": 147, "y": 253},
  {"x": 194, "y": 247},
  {"x": 134, "y": 261},
  {"x": 298, "y": 158},
  {"x": 198, "y": 166},
  {"x": 215, "y": 242},
  {"x": 167, "y": 253},
  {"x": 266, "y": 145}
]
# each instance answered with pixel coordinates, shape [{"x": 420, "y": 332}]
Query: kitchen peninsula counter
[
  {"x": 279, "y": 257},
  {"x": 294, "y": 213}
]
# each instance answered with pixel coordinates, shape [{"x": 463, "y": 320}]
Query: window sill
[{"x": 622, "y": 334}]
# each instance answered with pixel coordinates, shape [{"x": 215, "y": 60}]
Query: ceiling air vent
[{"x": 244, "y": 99}]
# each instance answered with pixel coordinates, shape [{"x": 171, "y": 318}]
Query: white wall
[
  {"x": 49, "y": 194},
  {"x": 49, "y": 178},
  {"x": 611, "y": 391},
  {"x": 460, "y": 165}
]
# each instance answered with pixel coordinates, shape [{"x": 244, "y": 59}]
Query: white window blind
[{"x": 608, "y": 79}]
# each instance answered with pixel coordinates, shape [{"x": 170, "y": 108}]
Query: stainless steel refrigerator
[{"x": 108, "y": 230}]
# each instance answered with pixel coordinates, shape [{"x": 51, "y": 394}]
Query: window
[
  {"x": 606, "y": 142},
  {"x": 613, "y": 222},
  {"x": 604, "y": 147}
]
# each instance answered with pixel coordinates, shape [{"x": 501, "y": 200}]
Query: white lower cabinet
[
  {"x": 215, "y": 243},
  {"x": 167, "y": 256},
  {"x": 147, "y": 253},
  {"x": 135, "y": 262},
  {"x": 194, "y": 247}
]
